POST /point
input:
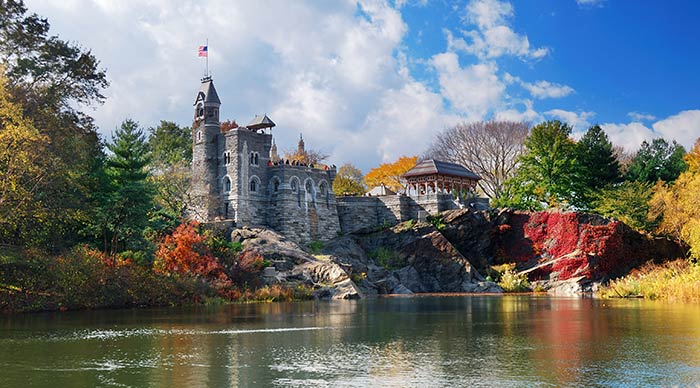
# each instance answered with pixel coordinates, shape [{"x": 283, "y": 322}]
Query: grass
[
  {"x": 437, "y": 222},
  {"x": 316, "y": 247},
  {"x": 510, "y": 280},
  {"x": 677, "y": 280}
]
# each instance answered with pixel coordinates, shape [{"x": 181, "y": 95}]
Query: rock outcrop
[
  {"x": 295, "y": 266},
  {"x": 566, "y": 252}
]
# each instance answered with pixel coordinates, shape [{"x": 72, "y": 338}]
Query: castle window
[
  {"x": 199, "y": 136},
  {"x": 227, "y": 184},
  {"x": 254, "y": 184},
  {"x": 227, "y": 158},
  {"x": 294, "y": 186},
  {"x": 254, "y": 158},
  {"x": 200, "y": 111}
]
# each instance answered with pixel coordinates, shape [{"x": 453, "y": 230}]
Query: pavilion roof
[
  {"x": 437, "y": 167},
  {"x": 260, "y": 122}
]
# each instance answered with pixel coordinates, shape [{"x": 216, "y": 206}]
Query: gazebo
[{"x": 439, "y": 177}]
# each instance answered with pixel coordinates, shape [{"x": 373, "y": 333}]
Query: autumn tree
[
  {"x": 185, "y": 252},
  {"x": 228, "y": 125},
  {"x": 304, "y": 155},
  {"x": 53, "y": 80},
  {"x": 21, "y": 175},
  {"x": 679, "y": 204},
  {"x": 488, "y": 148},
  {"x": 548, "y": 174},
  {"x": 657, "y": 160},
  {"x": 349, "y": 181},
  {"x": 390, "y": 173}
]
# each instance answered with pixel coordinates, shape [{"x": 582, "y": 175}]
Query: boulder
[{"x": 292, "y": 265}]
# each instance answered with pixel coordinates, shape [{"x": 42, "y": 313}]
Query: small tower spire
[
  {"x": 274, "y": 157},
  {"x": 300, "y": 147}
]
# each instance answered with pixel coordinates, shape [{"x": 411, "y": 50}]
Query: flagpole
[{"x": 207, "y": 57}]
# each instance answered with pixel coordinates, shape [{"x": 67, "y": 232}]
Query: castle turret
[{"x": 205, "y": 159}]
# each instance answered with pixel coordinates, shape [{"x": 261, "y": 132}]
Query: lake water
[{"x": 458, "y": 341}]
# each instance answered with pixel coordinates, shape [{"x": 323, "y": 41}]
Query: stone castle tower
[{"x": 238, "y": 178}]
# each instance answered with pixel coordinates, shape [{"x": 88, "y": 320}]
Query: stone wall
[
  {"x": 303, "y": 207},
  {"x": 366, "y": 213}
]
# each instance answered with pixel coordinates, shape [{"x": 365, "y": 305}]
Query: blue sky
[{"x": 369, "y": 81}]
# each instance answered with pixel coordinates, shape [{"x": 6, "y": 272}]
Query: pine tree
[
  {"x": 128, "y": 199},
  {"x": 599, "y": 166}
]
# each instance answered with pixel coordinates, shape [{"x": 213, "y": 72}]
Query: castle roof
[
  {"x": 207, "y": 92},
  {"x": 437, "y": 167},
  {"x": 259, "y": 122}
]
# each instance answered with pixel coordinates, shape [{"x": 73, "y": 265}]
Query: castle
[{"x": 239, "y": 180}]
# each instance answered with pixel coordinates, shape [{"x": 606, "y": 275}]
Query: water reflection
[{"x": 423, "y": 341}]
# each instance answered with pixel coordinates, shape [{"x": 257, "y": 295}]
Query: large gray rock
[{"x": 295, "y": 266}]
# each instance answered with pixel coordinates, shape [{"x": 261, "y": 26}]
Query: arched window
[
  {"x": 294, "y": 185},
  {"x": 227, "y": 184},
  {"x": 253, "y": 186},
  {"x": 308, "y": 186},
  {"x": 199, "y": 136},
  {"x": 200, "y": 110},
  {"x": 227, "y": 158},
  {"x": 254, "y": 158}
]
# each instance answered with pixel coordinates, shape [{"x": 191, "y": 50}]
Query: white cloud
[
  {"x": 683, "y": 127},
  {"x": 590, "y": 3},
  {"x": 528, "y": 114},
  {"x": 473, "y": 90},
  {"x": 579, "y": 121},
  {"x": 494, "y": 37},
  {"x": 638, "y": 116},
  {"x": 546, "y": 89},
  {"x": 630, "y": 136}
]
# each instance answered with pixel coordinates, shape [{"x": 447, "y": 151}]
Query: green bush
[
  {"x": 437, "y": 222},
  {"x": 316, "y": 247},
  {"x": 387, "y": 258}
]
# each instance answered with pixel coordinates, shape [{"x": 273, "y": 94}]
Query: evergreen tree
[
  {"x": 598, "y": 164},
  {"x": 128, "y": 198},
  {"x": 170, "y": 144},
  {"x": 657, "y": 161}
]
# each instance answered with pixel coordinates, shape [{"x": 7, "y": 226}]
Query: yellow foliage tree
[
  {"x": 390, "y": 173},
  {"x": 679, "y": 204},
  {"x": 20, "y": 174}
]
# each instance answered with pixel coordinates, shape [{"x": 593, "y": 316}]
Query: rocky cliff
[{"x": 563, "y": 252}]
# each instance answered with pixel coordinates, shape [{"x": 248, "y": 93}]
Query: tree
[
  {"x": 21, "y": 146},
  {"x": 488, "y": 148},
  {"x": 52, "y": 79},
  {"x": 170, "y": 157},
  {"x": 658, "y": 160},
  {"x": 170, "y": 144},
  {"x": 128, "y": 199},
  {"x": 679, "y": 204},
  {"x": 548, "y": 174},
  {"x": 304, "y": 156},
  {"x": 349, "y": 181},
  {"x": 390, "y": 173},
  {"x": 627, "y": 202},
  {"x": 599, "y": 166}
]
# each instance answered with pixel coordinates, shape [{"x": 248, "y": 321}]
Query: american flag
[{"x": 203, "y": 51}]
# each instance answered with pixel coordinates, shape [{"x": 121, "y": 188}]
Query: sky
[{"x": 368, "y": 81}]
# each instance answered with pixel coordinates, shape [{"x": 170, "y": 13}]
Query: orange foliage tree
[
  {"x": 185, "y": 252},
  {"x": 390, "y": 173}
]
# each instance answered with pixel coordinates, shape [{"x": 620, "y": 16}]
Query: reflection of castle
[{"x": 237, "y": 178}]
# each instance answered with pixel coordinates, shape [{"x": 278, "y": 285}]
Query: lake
[{"x": 455, "y": 341}]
